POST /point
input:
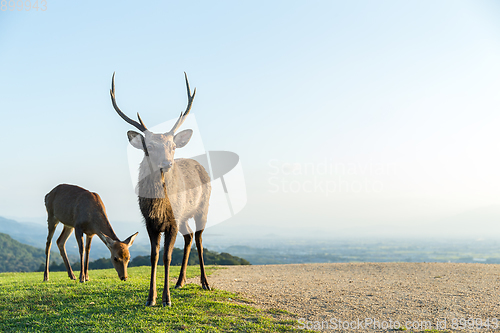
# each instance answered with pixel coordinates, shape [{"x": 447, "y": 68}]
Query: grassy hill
[
  {"x": 106, "y": 304},
  {"x": 29, "y": 233},
  {"x": 18, "y": 257},
  {"x": 210, "y": 258}
]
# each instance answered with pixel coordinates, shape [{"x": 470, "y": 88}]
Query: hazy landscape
[
  {"x": 462, "y": 238},
  {"x": 352, "y": 152}
]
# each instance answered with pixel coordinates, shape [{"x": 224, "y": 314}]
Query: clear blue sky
[{"x": 407, "y": 86}]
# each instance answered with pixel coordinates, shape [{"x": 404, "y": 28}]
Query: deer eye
[{"x": 115, "y": 259}]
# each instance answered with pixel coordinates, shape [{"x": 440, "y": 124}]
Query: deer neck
[
  {"x": 111, "y": 235},
  {"x": 170, "y": 177},
  {"x": 154, "y": 184},
  {"x": 105, "y": 228}
]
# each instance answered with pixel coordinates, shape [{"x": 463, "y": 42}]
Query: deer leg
[
  {"x": 170, "y": 235},
  {"x": 61, "y": 244},
  {"x": 52, "y": 222},
  {"x": 79, "y": 240},
  {"x": 154, "y": 238},
  {"x": 87, "y": 251},
  {"x": 199, "y": 246},
  {"x": 188, "y": 240}
]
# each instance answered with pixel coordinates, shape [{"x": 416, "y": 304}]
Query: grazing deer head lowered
[
  {"x": 171, "y": 191},
  {"x": 84, "y": 212}
]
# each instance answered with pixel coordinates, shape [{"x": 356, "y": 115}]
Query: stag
[
  {"x": 170, "y": 192},
  {"x": 84, "y": 212}
]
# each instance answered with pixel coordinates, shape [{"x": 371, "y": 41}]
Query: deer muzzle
[{"x": 165, "y": 166}]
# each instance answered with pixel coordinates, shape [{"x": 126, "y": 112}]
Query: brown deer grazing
[
  {"x": 170, "y": 192},
  {"x": 83, "y": 211}
]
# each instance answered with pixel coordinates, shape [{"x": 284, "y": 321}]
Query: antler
[
  {"x": 182, "y": 117},
  {"x": 140, "y": 126}
]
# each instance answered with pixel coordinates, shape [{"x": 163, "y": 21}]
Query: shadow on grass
[{"x": 106, "y": 304}]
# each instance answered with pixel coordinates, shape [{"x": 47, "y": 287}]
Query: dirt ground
[{"x": 373, "y": 297}]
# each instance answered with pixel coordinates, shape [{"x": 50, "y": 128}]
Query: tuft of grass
[{"x": 107, "y": 304}]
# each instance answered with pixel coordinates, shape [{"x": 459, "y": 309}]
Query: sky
[{"x": 359, "y": 113}]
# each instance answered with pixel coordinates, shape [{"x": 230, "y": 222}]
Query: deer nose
[
  {"x": 166, "y": 165},
  {"x": 124, "y": 278}
]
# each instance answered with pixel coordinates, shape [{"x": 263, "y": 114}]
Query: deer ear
[
  {"x": 129, "y": 241},
  {"x": 136, "y": 139},
  {"x": 107, "y": 240},
  {"x": 182, "y": 138}
]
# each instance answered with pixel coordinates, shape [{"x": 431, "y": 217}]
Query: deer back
[{"x": 76, "y": 207}]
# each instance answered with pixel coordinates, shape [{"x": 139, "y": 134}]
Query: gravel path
[{"x": 358, "y": 292}]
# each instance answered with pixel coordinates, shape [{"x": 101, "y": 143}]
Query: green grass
[{"x": 107, "y": 304}]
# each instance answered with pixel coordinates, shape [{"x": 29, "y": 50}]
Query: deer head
[
  {"x": 120, "y": 255},
  {"x": 159, "y": 147}
]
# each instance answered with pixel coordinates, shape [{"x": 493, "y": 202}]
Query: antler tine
[
  {"x": 183, "y": 116},
  {"x": 140, "y": 120},
  {"x": 134, "y": 123}
]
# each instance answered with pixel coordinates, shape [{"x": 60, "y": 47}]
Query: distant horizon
[{"x": 464, "y": 225}]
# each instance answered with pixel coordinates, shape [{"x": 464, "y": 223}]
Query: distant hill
[
  {"x": 18, "y": 257},
  {"x": 28, "y": 233},
  {"x": 35, "y": 234},
  {"x": 209, "y": 257}
]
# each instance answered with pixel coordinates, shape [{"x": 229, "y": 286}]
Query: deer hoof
[
  {"x": 178, "y": 286},
  {"x": 150, "y": 303},
  {"x": 169, "y": 304},
  {"x": 206, "y": 287}
]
